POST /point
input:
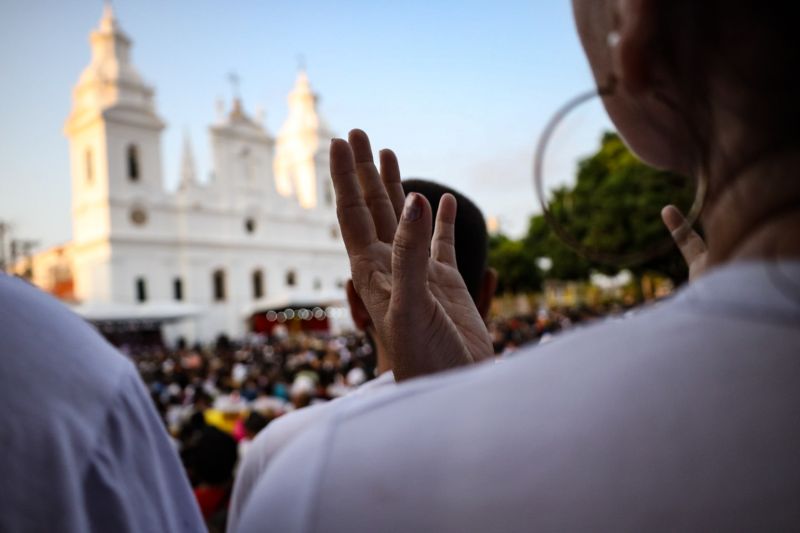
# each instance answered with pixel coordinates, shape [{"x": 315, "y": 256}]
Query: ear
[
  {"x": 357, "y": 308},
  {"x": 631, "y": 44},
  {"x": 486, "y": 293}
]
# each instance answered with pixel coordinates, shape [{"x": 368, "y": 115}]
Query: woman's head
[{"x": 696, "y": 84}]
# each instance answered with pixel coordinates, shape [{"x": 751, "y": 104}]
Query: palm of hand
[
  {"x": 418, "y": 302},
  {"x": 442, "y": 330}
]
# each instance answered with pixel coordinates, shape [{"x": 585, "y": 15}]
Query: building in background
[{"x": 214, "y": 256}]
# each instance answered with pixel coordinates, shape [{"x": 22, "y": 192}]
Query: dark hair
[
  {"x": 210, "y": 456},
  {"x": 472, "y": 241},
  {"x": 751, "y": 44},
  {"x": 255, "y": 422}
]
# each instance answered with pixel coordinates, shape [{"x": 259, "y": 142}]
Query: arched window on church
[
  {"x": 258, "y": 284},
  {"x": 218, "y": 282},
  {"x": 328, "y": 193},
  {"x": 291, "y": 278},
  {"x": 133, "y": 162},
  {"x": 89, "y": 165},
  {"x": 177, "y": 289},
  {"x": 141, "y": 290}
]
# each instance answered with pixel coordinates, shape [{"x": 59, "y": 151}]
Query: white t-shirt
[
  {"x": 684, "y": 417},
  {"x": 82, "y": 447},
  {"x": 279, "y": 433}
]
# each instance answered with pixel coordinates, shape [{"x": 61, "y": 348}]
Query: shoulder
[
  {"x": 51, "y": 341},
  {"x": 273, "y": 441},
  {"x": 269, "y": 442},
  {"x": 57, "y": 371},
  {"x": 77, "y": 408},
  {"x": 287, "y": 427},
  {"x": 597, "y": 403}
]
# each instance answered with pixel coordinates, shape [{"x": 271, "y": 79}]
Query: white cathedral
[{"x": 209, "y": 258}]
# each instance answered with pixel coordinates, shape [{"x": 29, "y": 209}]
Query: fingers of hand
[
  {"x": 672, "y": 217},
  {"x": 355, "y": 219},
  {"x": 375, "y": 194},
  {"x": 689, "y": 242},
  {"x": 410, "y": 252},
  {"x": 390, "y": 174},
  {"x": 443, "y": 246}
]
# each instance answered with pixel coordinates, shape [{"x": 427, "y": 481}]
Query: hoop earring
[{"x": 612, "y": 259}]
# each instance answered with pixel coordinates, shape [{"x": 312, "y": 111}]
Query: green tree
[
  {"x": 515, "y": 265},
  {"x": 615, "y": 208},
  {"x": 543, "y": 242}
]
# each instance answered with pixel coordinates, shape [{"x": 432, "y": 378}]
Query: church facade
[{"x": 260, "y": 233}]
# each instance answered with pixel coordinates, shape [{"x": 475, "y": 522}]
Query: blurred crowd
[
  {"x": 510, "y": 334},
  {"x": 214, "y": 399}
]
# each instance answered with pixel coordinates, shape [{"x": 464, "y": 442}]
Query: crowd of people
[
  {"x": 510, "y": 334},
  {"x": 282, "y": 373},
  {"x": 290, "y": 371},
  {"x": 215, "y": 399}
]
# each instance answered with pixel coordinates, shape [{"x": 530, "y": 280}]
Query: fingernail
[{"x": 413, "y": 208}]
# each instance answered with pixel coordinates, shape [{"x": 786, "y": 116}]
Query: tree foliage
[
  {"x": 614, "y": 207},
  {"x": 515, "y": 264}
]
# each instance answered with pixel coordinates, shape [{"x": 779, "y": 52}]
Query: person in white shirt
[
  {"x": 471, "y": 248},
  {"x": 684, "y": 417},
  {"x": 83, "y": 448}
]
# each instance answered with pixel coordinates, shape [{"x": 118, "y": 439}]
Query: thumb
[
  {"x": 689, "y": 242},
  {"x": 410, "y": 253}
]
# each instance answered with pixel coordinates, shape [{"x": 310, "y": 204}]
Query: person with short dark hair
[{"x": 471, "y": 243}]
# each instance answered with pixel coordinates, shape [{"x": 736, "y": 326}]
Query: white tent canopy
[{"x": 151, "y": 311}]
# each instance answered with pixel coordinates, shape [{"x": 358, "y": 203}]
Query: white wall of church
[
  {"x": 90, "y": 185},
  {"x": 93, "y": 272},
  {"x": 158, "y": 266}
]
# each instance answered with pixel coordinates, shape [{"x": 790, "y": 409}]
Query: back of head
[
  {"x": 735, "y": 58},
  {"x": 210, "y": 456},
  {"x": 702, "y": 86},
  {"x": 472, "y": 240}
]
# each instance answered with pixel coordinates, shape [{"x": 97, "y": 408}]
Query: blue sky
[{"x": 460, "y": 89}]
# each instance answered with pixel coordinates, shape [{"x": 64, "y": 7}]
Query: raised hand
[
  {"x": 692, "y": 246},
  {"x": 417, "y": 300}
]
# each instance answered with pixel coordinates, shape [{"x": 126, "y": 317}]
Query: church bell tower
[
  {"x": 114, "y": 134},
  {"x": 301, "y": 159},
  {"x": 114, "y": 137}
]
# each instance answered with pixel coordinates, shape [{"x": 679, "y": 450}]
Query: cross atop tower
[{"x": 234, "y": 80}]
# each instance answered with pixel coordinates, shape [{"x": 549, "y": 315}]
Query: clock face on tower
[{"x": 138, "y": 216}]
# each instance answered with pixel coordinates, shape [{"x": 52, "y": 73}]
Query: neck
[
  {"x": 382, "y": 363},
  {"x": 755, "y": 215}
]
